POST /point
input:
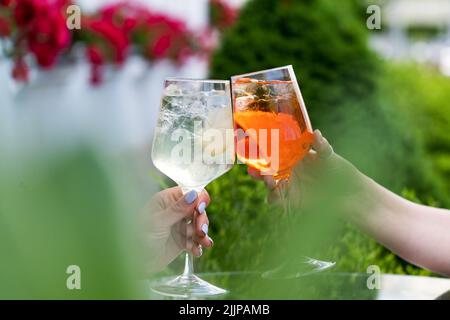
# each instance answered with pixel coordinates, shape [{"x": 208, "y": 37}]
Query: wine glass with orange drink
[{"x": 273, "y": 134}]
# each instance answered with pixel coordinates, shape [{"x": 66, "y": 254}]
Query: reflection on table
[{"x": 340, "y": 286}]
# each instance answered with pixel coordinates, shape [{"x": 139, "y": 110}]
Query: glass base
[
  {"x": 298, "y": 267},
  {"x": 188, "y": 286}
]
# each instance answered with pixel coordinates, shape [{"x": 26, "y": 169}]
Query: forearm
[{"x": 418, "y": 234}]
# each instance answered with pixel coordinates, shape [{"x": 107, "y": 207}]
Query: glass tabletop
[{"x": 327, "y": 285}]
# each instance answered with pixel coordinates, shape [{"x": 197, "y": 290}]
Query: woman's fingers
[
  {"x": 270, "y": 182},
  {"x": 185, "y": 233},
  {"x": 193, "y": 247},
  {"x": 255, "y": 173},
  {"x": 186, "y": 230},
  {"x": 182, "y": 206},
  {"x": 205, "y": 242},
  {"x": 192, "y": 240},
  {"x": 201, "y": 222},
  {"x": 321, "y": 145},
  {"x": 202, "y": 229},
  {"x": 275, "y": 195},
  {"x": 203, "y": 202},
  {"x": 196, "y": 233}
]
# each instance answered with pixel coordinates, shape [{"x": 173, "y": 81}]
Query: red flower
[
  {"x": 5, "y": 28},
  {"x": 160, "y": 47},
  {"x": 95, "y": 55},
  {"x": 20, "y": 70},
  {"x": 125, "y": 15},
  {"x": 168, "y": 38},
  {"x": 114, "y": 37},
  {"x": 222, "y": 14},
  {"x": 27, "y": 10},
  {"x": 184, "y": 54},
  {"x": 40, "y": 29},
  {"x": 96, "y": 75},
  {"x": 6, "y": 3},
  {"x": 96, "y": 59},
  {"x": 48, "y": 37}
]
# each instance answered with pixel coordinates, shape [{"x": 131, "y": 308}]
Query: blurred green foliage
[
  {"x": 423, "y": 96},
  {"x": 391, "y": 121},
  {"x": 59, "y": 211}
]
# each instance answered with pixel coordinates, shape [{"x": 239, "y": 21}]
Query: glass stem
[
  {"x": 188, "y": 265},
  {"x": 283, "y": 189},
  {"x": 188, "y": 259}
]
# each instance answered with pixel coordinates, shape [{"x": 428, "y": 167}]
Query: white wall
[
  {"x": 60, "y": 107},
  {"x": 133, "y": 91},
  {"x": 194, "y": 12}
]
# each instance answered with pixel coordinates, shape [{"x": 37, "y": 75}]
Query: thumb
[
  {"x": 321, "y": 145},
  {"x": 183, "y": 208}
]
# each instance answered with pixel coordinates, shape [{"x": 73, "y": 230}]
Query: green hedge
[{"x": 423, "y": 96}]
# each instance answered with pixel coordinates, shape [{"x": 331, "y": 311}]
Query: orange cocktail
[{"x": 268, "y": 110}]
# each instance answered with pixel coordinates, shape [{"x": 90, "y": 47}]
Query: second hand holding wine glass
[
  {"x": 274, "y": 134},
  {"x": 193, "y": 145}
]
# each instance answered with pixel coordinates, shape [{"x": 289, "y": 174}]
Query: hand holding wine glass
[
  {"x": 320, "y": 168},
  {"x": 274, "y": 134},
  {"x": 193, "y": 145},
  {"x": 165, "y": 230}
]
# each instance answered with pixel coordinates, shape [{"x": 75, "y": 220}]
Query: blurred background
[{"x": 78, "y": 108}]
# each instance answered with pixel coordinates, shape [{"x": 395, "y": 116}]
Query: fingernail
[
  {"x": 200, "y": 250},
  {"x": 212, "y": 242},
  {"x": 205, "y": 229},
  {"x": 201, "y": 208},
  {"x": 190, "y": 196}
]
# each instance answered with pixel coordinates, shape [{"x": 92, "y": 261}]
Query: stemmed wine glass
[
  {"x": 193, "y": 145},
  {"x": 273, "y": 134}
]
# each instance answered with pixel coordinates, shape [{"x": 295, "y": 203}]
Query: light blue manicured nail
[
  {"x": 201, "y": 208},
  {"x": 212, "y": 242},
  {"x": 205, "y": 229},
  {"x": 190, "y": 197}
]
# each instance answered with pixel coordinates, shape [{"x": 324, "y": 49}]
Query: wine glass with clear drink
[
  {"x": 193, "y": 145},
  {"x": 273, "y": 134}
]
